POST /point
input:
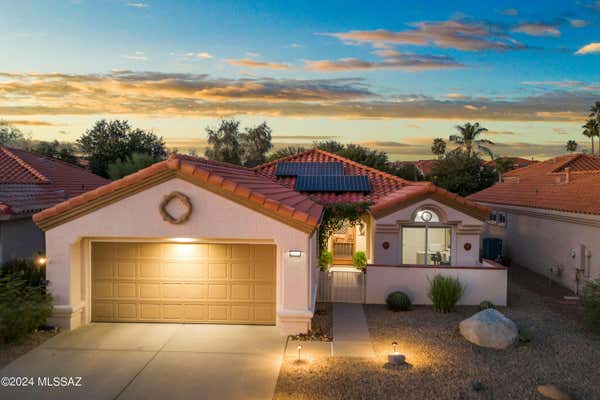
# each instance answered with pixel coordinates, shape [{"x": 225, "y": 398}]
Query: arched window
[{"x": 427, "y": 216}]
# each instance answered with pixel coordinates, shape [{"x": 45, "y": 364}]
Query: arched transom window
[
  {"x": 426, "y": 241},
  {"x": 427, "y": 216}
]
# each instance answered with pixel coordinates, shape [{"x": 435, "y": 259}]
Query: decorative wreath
[{"x": 181, "y": 198}]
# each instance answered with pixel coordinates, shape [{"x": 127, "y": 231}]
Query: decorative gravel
[
  {"x": 321, "y": 325},
  {"x": 444, "y": 365}
]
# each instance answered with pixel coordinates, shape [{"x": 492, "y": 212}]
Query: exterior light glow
[
  {"x": 295, "y": 253},
  {"x": 182, "y": 240},
  {"x": 395, "y": 346},
  {"x": 299, "y": 350},
  {"x": 41, "y": 261},
  {"x": 395, "y": 358}
]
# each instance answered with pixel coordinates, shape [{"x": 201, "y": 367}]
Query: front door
[{"x": 344, "y": 243}]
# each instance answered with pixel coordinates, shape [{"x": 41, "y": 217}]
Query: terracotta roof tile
[
  {"x": 31, "y": 182},
  {"x": 243, "y": 183},
  {"x": 568, "y": 183}
]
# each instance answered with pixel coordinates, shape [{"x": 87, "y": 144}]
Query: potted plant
[
  {"x": 360, "y": 260},
  {"x": 325, "y": 260}
]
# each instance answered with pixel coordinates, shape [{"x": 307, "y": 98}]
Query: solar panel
[
  {"x": 333, "y": 183},
  {"x": 309, "y": 168}
]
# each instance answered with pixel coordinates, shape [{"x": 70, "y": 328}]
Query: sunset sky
[{"x": 390, "y": 75}]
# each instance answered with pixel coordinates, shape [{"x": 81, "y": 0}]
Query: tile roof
[
  {"x": 238, "y": 183},
  {"x": 388, "y": 192},
  {"x": 518, "y": 162},
  {"x": 568, "y": 183},
  {"x": 30, "y": 182}
]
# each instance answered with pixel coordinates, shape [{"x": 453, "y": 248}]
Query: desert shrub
[
  {"x": 360, "y": 260},
  {"x": 25, "y": 269},
  {"x": 398, "y": 301},
  {"x": 484, "y": 305},
  {"x": 325, "y": 260},
  {"x": 590, "y": 301},
  {"x": 23, "y": 308},
  {"x": 444, "y": 293}
]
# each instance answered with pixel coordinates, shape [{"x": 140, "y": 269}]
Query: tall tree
[
  {"x": 468, "y": 138},
  {"x": 137, "y": 161},
  {"x": 255, "y": 143},
  {"x": 224, "y": 142},
  {"x": 55, "y": 149},
  {"x": 11, "y": 136},
  {"x": 355, "y": 152},
  {"x": 109, "y": 141},
  {"x": 408, "y": 171},
  {"x": 504, "y": 164},
  {"x": 571, "y": 146},
  {"x": 590, "y": 129},
  {"x": 461, "y": 173},
  {"x": 438, "y": 147}
]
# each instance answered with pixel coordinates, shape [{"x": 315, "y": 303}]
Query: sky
[{"x": 391, "y": 75}]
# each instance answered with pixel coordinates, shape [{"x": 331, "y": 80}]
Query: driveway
[{"x": 153, "y": 361}]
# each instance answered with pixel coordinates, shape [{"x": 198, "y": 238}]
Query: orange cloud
[
  {"x": 535, "y": 29},
  {"x": 402, "y": 61},
  {"x": 249, "y": 63}
]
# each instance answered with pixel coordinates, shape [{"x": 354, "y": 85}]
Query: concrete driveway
[{"x": 153, "y": 361}]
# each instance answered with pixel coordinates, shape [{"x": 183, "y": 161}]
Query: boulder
[
  {"x": 553, "y": 393},
  {"x": 490, "y": 328}
]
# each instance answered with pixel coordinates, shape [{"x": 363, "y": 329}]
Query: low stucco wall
[{"x": 481, "y": 283}]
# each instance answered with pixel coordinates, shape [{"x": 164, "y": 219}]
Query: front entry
[
  {"x": 183, "y": 283},
  {"x": 344, "y": 245}
]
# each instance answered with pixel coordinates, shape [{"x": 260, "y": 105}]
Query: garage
[{"x": 222, "y": 283}]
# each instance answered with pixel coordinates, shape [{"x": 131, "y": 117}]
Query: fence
[{"x": 344, "y": 285}]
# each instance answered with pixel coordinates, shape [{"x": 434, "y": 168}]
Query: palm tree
[
  {"x": 467, "y": 138},
  {"x": 438, "y": 147},
  {"x": 571, "y": 145},
  {"x": 590, "y": 129}
]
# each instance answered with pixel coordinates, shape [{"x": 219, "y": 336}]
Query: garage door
[{"x": 191, "y": 282}]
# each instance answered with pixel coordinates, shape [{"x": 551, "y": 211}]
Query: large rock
[{"x": 489, "y": 328}]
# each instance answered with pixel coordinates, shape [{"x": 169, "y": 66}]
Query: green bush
[
  {"x": 360, "y": 259},
  {"x": 590, "y": 301},
  {"x": 398, "y": 301},
  {"x": 325, "y": 260},
  {"x": 484, "y": 305},
  {"x": 25, "y": 269},
  {"x": 444, "y": 292},
  {"x": 23, "y": 308}
]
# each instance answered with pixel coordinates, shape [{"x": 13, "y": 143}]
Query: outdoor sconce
[
  {"x": 295, "y": 253},
  {"x": 395, "y": 358},
  {"x": 41, "y": 260}
]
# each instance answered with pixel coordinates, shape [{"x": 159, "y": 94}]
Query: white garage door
[{"x": 183, "y": 282}]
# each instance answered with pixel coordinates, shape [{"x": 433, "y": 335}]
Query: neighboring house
[
  {"x": 199, "y": 241},
  {"x": 30, "y": 183},
  {"x": 548, "y": 217},
  {"x": 517, "y": 162},
  {"x": 424, "y": 166}
]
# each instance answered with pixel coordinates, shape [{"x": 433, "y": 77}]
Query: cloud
[
  {"x": 137, "y": 5},
  {"x": 500, "y": 133},
  {"x": 249, "y": 63},
  {"x": 510, "y": 11},
  {"x": 252, "y": 54},
  {"x": 295, "y": 46},
  {"x": 537, "y": 29},
  {"x": 413, "y": 126},
  {"x": 379, "y": 143},
  {"x": 200, "y": 95},
  {"x": 137, "y": 56},
  {"x": 201, "y": 55},
  {"x": 578, "y": 23},
  {"x": 589, "y": 48},
  {"x": 560, "y": 131},
  {"x": 456, "y": 96},
  {"x": 566, "y": 84},
  {"x": 23, "y": 122},
  {"x": 305, "y": 137},
  {"x": 402, "y": 61},
  {"x": 468, "y": 36}
]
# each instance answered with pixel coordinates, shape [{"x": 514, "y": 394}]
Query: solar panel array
[
  {"x": 333, "y": 183},
  {"x": 309, "y": 168}
]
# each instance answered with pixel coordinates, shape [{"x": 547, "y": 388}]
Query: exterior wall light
[
  {"x": 182, "y": 240},
  {"x": 295, "y": 253},
  {"x": 41, "y": 260},
  {"x": 299, "y": 352}
]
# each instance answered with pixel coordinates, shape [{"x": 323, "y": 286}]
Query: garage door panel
[{"x": 166, "y": 282}]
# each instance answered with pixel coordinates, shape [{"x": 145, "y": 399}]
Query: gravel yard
[
  {"x": 444, "y": 365},
  {"x": 11, "y": 352}
]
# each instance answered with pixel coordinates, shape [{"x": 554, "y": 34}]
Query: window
[
  {"x": 427, "y": 242},
  {"x": 501, "y": 218},
  {"x": 492, "y": 217}
]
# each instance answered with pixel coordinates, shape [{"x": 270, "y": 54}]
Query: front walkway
[
  {"x": 350, "y": 332},
  {"x": 154, "y": 361}
]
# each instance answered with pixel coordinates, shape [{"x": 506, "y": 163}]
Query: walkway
[{"x": 350, "y": 333}]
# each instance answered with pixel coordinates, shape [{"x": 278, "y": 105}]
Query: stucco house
[
  {"x": 30, "y": 183},
  {"x": 194, "y": 240},
  {"x": 548, "y": 217}
]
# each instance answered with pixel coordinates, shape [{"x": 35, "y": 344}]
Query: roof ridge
[
  {"x": 569, "y": 159},
  {"x": 205, "y": 159},
  {"x": 25, "y": 165}
]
